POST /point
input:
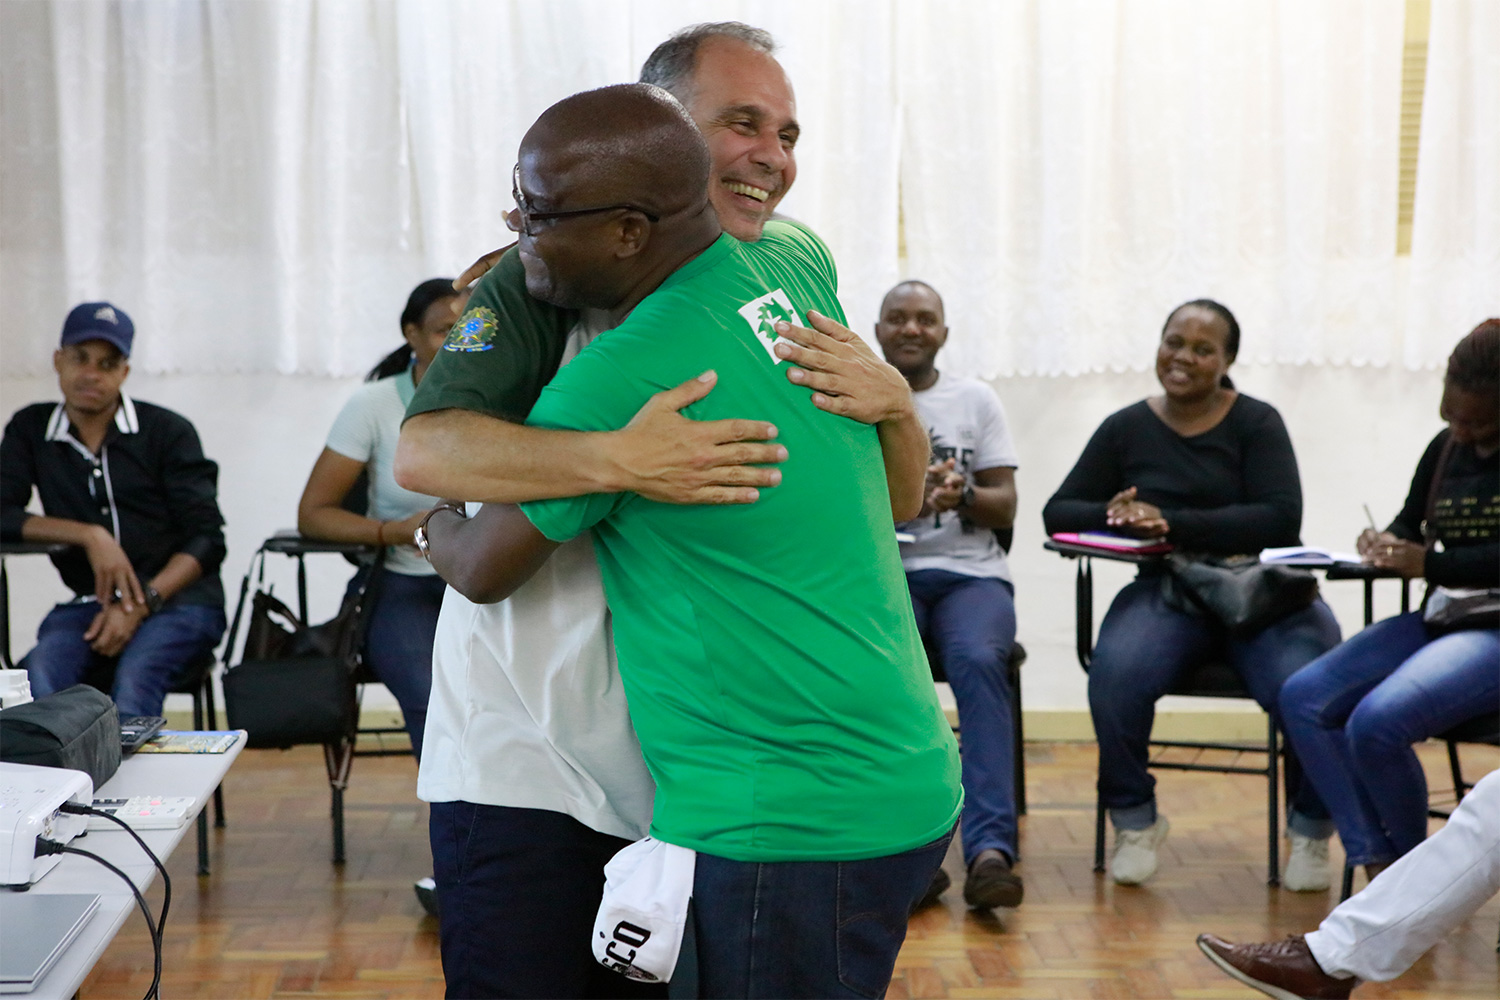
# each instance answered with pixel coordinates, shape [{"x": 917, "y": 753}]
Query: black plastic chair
[{"x": 338, "y": 758}]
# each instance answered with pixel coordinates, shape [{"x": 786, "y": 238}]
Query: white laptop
[{"x": 38, "y": 927}]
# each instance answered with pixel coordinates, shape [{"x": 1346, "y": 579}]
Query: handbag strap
[
  {"x": 239, "y": 610},
  {"x": 1429, "y": 533},
  {"x": 352, "y": 640}
]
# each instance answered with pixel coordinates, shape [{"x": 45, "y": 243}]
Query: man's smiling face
[{"x": 742, "y": 102}]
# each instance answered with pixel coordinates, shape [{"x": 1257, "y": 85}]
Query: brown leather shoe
[
  {"x": 1282, "y": 969},
  {"x": 991, "y": 883}
]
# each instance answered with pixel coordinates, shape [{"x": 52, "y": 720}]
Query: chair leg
[
  {"x": 202, "y": 821},
  {"x": 213, "y": 724},
  {"x": 338, "y": 825},
  {"x": 1098, "y": 835},
  {"x": 1273, "y": 813},
  {"x": 1347, "y": 889},
  {"x": 1018, "y": 753},
  {"x": 338, "y": 758},
  {"x": 203, "y": 841},
  {"x": 1456, "y": 766}
]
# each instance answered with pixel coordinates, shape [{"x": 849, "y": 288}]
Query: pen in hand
[{"x": 1369, "y": 517}]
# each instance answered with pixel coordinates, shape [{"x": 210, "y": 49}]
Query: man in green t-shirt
[
  {"x": 533, "y": 666},
  {"x": 773, "y": 668}
]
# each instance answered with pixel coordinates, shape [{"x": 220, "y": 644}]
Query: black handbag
[
  {"x": 1239, "y": 592},
  {"x": 294, "y": 684}
]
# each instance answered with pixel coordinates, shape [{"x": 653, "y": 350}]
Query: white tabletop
[{"x": 196, "y": 775}]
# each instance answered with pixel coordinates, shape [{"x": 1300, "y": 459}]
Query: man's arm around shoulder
[
  {"x": 487, "y": 557},
  {"x": 660, "y": 454}
]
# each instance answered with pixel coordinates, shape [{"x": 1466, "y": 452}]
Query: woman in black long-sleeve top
[
  {"x": 1212, "y": 471},
  {"x": 1354, "y": 714}
]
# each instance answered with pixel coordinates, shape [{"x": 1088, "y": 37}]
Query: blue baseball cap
[{"x": 98, "y": 321}]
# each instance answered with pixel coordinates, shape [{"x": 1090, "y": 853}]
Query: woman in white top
[{"x": 407, "y": 596}]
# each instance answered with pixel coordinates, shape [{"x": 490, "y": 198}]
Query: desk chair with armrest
[
  {"x": 1213, "y": 679},
  {"x": 338, "y": 758}
]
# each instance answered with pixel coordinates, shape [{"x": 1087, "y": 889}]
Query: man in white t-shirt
[
  {"x": 959, "y": 581},
  {"x": 534, "y": 774}
]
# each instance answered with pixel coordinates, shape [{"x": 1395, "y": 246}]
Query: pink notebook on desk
[{"x": 1113, "y": 543}]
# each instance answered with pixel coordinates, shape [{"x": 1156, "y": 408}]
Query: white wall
[{"x": 1358, "y": 433}]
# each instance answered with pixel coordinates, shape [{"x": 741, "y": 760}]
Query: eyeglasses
[{"x": 520, "y": 220}]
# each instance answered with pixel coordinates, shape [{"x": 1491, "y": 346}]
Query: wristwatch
[
  {"x": 420, "y": 535},
  {"x": 154, "y": 600},
  {"x": 966, "y": 499}
]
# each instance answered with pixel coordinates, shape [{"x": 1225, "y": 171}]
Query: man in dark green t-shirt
[{"x": 775, "y": 676}]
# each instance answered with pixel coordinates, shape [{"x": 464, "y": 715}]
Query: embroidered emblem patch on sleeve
[
  {"x": 474, "y": 331},
  {"x": 764, "y": 313}
]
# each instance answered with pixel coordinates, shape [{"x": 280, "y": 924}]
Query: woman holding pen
[
  {"x": 1355, "y": 712},
  {"x": 1211, "y": 470}
]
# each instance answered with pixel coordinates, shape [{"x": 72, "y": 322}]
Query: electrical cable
[
  {"x": 45, "y": 846},
  {"x": 166, "y": 880}
]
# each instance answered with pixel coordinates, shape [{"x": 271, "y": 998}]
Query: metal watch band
[{"x": 420, "y": 535}]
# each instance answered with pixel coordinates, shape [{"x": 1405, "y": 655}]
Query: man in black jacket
[{"x": 126, "y": 484}]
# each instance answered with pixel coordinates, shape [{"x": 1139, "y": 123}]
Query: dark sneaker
[
  {"x": 1282, "y": 969},
  {"x": 940, "y": 883},
  {"x": 991, "y": 883},
  {"x": 427, "y": 895}
]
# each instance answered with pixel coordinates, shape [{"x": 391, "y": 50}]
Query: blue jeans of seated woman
[
  {"x": 972, "y": 622},
  {"x": 398, "y": 642},
  {"x": 1355, "y": 712},
  {"x": 1144, "y": 646}
]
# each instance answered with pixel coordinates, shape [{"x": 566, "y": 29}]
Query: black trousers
[{"x": 518, "y": 890}]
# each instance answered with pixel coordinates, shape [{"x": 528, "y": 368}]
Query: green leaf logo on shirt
[
  {"x": 764, "y": 313},
  {"x": 474, "y": 331}
]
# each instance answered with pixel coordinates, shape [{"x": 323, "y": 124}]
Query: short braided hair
[{"x": 1474, "y": 365}]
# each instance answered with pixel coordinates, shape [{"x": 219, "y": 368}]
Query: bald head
[
  {"x": 612, "y": 196},
  {"x": 628, "y": 144}
]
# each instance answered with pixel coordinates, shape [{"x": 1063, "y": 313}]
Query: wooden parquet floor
[{"x": 277, "y": 919}]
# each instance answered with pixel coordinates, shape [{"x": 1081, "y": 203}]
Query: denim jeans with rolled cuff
[{"x": 1144, "y": 646}]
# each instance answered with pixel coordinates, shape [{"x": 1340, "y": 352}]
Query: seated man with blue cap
[{"x": 126, "y": 485}]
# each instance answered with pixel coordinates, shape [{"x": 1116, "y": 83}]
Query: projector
[{"x": 30, "y": 799}]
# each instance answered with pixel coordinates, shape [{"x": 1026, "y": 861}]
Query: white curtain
[
  {"x": 261, "y": 182},
  {"x": 1455, "y": 238},
  {"x": 1109, "y": 160}
]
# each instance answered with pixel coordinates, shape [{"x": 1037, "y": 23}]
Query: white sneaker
[
  {"x": 1134, "y": 860},
  {"x": 1307, "y": 865}
]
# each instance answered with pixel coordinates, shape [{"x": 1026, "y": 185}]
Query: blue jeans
[
  {"x": 1355, "y": 712},
  {"x": 1144, "y": 646},
  {"x": 518, "y": 890},
  {"x": 159, "y": 653},
  {"x": 398, "y": 642},
  {"x": 971, "y": 620},
  {"x": 804, "y": 928}
]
